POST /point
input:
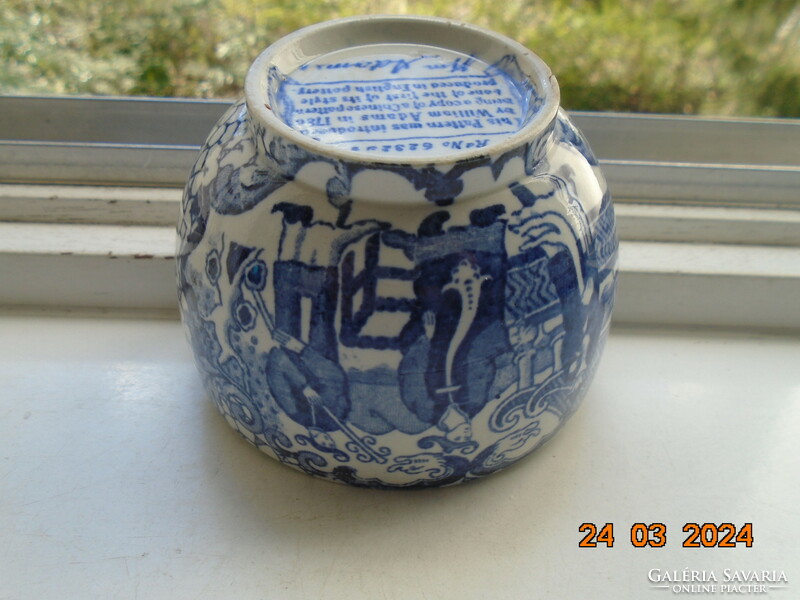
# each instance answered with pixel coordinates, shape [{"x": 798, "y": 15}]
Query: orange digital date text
[{"x": 654, "y": 535}]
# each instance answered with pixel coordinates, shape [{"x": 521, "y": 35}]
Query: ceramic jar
[{"x": 397, "y": 255}]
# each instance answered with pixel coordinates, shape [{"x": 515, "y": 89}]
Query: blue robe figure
[
  {"x": 309, "y": 387},
  {"x": 304, "y": 374},
  {"x": 456, "y": 336}
]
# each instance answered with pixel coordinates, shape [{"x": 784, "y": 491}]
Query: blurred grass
[{"x": 727, "y": 57}]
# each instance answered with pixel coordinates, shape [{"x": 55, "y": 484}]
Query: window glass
[{"x": 728, "y": 57}]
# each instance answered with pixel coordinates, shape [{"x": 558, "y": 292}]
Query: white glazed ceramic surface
[{"x": 397, "y": 257}]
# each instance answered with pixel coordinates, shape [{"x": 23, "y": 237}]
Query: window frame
[{"x": 708, "y": 210}]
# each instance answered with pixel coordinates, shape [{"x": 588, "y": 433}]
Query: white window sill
[{"x": 121, "y": 480}]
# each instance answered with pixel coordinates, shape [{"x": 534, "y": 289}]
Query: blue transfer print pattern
[
  {"x": 474, "y": 335},
  {"x": 404, "y": 103}
]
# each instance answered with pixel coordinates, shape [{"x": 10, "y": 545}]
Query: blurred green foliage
[{"x": 727, "y": 57}]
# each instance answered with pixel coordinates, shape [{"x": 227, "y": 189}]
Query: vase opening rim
[{"x": 418, "y": 91}]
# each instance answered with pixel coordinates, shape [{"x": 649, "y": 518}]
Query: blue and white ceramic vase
[{"x": 397, "y": 255}]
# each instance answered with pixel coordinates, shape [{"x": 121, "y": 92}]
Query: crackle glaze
[{"x": 397, "y": 255}]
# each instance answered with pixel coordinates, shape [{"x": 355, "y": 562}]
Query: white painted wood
[
  {"x": 115, "y": 205},
  {"x": 168, "y": 166},
  {"x": 68, "y": 266},
  {"x": 711, "y": 260},
  {"x": 88, "y": 281},
  {"x": 615, "y": 136},
  {"x": 701, "y": 140},
  {"x": 120, "y": 480},
  {"x": 89, "y": 204},
  {"x": 646, "y": 158},
  {"x": 95, "y": 163},
  {"x": 92, "y": 266},
  {"x": 698, "y": 184},
  {"x": 709, "y": 285},
  {"x": 89, "y": 240},
  {"x": 702, "y": 224},
  {"x": 708, "y": 210}
]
